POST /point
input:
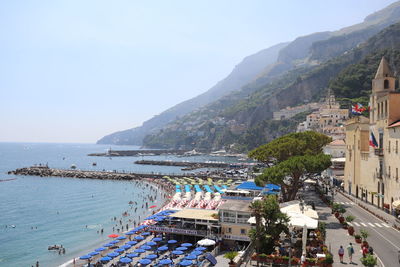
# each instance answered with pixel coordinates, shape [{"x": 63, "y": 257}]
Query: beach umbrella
[
  {"x": 182, "y": 248},
  {"x": 121, "y": 237},
  {"x": 191, "y": 257},
  {"x": 119, "y": 250},
  {"x": 126, "y": 246},
  {"x": 114, "y": 242},
  {"x": 139, "y": 250},
  {"x": 113, "y": 254},
  {"x": 151, "y": 243},
  {"x": 151, "y": 256},
  {"x": 131, "y": 243},
  {"x": 187, "y": 245},
  {"x": 165, "y": 262},
  {"x": 108, "y": 245},
  {"x": 206, "y": 242},
  {"x": 185, "y": 263},
  {"x": 177, "y": 252},
  {"x": 125, "y": 260},
  {"x": 139, "y": 237},
  {"x": 132, "y": 255},
  {"x": 200, "y": 248},
  {"x": 172, "y": 241},
  {"x": 129, "y": 233},
  {"x": 145, "y": 261},
  {"x": 100, "y": 249},
  {"x": 157, "y": 239},
  {"x": 106, "y": 259},
  {"x": 94, "y": 253},
  {"x": 152, "y": 207},
  {"x": 196, "y": 252},
  {"x": 145, "y": 233},
  {"x": 85, "y": 257},
  {"x": 145, "y": 247},
  {"x": 113, "y": 236},
  {"x": 164, "y": 248}
]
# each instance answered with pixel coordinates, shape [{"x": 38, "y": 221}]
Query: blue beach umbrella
[
  {"x": 131, "y": 243},
  {"x": 125, "y": 260},
  {"x": 139, "y": 250},
  {"x": 187, "y": 245},
  {"x": 113, "y": 254},
  {"x": 163, "y": 248},
  {"x": 126, "y": 246},
  {"x": 172, "y": 241},
  {"x": 139, "y": 237},
  {"x": 119, "y": 250},
  {"x": 196, "y": 252},
  {"x": 132, "y": 255},
  {"x": 129, "y": 233},
  {"x": 145, "y": 247},
  {"x": 121, "y": 237},
  {"x": 151, "y": 243},
  {"x": 108, "y": 245},
  {"x": 157, "y": 239},
  {"x": 165, "y": 262},
  {"x": 177, "y": 252},
  {"x": 85, "y": 257},
  {"x": 145, "y": 234},
  {"x": 181, "y": 248},
  {"x": 100, "y": 249},
  {"x": 151, "y": 256},
  {"x": 200, "y": 248},
  {"x": 191, "y": 257},
  {"x": 185, "y": 263},
  {"x": 94, "y": 253},
  {"x": 145, "y": 261},
  {"x": 106, "y": 259},
  {"x": 114, "y": 242}
]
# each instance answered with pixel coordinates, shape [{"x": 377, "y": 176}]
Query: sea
[{"x": 37, "y": 212}]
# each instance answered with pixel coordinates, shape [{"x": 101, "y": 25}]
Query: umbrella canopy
[
  {"x": 172, "y": 241},
  {"x": 295, "y": 207},
  {"x": 145, "y": 233},
  {"x": 139, "y": 250},
  {"x": 106, "y": 259},
  {"x": 185, "y": 263},
  {"x": 119, "y": 250},
  {"x": 130, "y": 233},
  {"x": 139, "y": 237},
  {"x": 113, "y": 236},
  {"x": 100, "y": 249},
  {"x": 187, "y": 245},
  {"x": 151, "y": 243},
  {"x": 200, "y": 248},
  {"x": 121, "y": 237},
  {"x": 145, "y": 247},
  {"x": 206, "y": 242},
  {"x": 125, "y": 260},
  {"x": 165, "y": 262},
  {"x": 299, "y": 220},
  {"x": 151, "y": 256},
  {"x": 131, "y": 243},
  {"x": 182, "y": 248},
  {"x": 396, "y": 204},
  {"x": 191, "y": 257},
  {"x": 126, "y": 246},
  {"x": 152, "y": 207},
  {"x": 85, "y": 257},
  {"x": 94, "y": 253},
  {"x": 163, "y": 248},
  {"x": 177, "y": 252},
  {"x": 132, "y": 255},
  {"x": 114, "y": 242},
  {"x": 157, "y": 239},
  {"x": 113, "y": 254},
  {"x": 196, "y": 252},
  {"x": 145, "y": 261},
  {"x": 108, "y": 245}
]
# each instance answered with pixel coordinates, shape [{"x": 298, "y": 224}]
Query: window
[
  {"x": 242, "y": 231},
  {"x": 397, "y": 146},
  {"x": 397, "y": 174},
  {"x": 389, "y": 147},
  {"x": 386, "y": 84},
  {"x": 229, "y": 230},
  {"x": 389, "y": 172}
]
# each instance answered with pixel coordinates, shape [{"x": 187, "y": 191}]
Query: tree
[
  {"x": 231, "y": 256},
  {"x": 293, "y": 158}
]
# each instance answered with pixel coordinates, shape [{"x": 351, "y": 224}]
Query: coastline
[{"x": 164, "y": 189}]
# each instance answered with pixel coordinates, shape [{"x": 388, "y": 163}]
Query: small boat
[
  {"x": 73, "y": 166},
  {"x": 54, "y": 247},
  {"x": 94, "y": 164},
  {"x": 6, "y": 180}
]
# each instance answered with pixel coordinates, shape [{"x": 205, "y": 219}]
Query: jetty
[
  {"x": 187, "y": 164},
  {"x": 139, "y": 152}
]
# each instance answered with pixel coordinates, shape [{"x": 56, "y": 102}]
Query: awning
[
  {"x": 301, "y": 220},
  {"x": 396, "y": 204},
  {"x": 295, "y": 207}
]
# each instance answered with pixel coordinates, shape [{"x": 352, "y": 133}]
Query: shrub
[
  {"x": 369, "y": 261},
  {"x": 357, "y": 236},
  {"x": 328, "y": 259},
  {"x": 364, "y": 234},
  {"x": 350, "y": 218},
  {"x": 230, "y": 256}
]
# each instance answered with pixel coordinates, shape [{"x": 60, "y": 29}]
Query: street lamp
[
  {"x": 333, "y": 193},
  {"x": 283, "y": 236}
]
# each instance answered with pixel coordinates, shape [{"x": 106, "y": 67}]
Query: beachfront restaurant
[
  {"x": 255, "y": 190},
  {"x": 193, "y": 224},
  {"x": 233, "y": 217}
]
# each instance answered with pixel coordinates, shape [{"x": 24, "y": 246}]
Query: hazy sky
[{"x": 73, "y": 71}]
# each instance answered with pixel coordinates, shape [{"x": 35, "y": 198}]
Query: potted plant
[
  {"x": 350, "y": 229},
  {"x": 230, "y": 256},
  {"x": 335, "y": 208},
  {"x": 285, "y": 259},
  {"x": 364, "y": 234},
  {"x": 345, "y": 225},
  {"x": 328, "y": 261},
  {"x": 262, "y": 257},
  {"x": 311, "y": 261},
  {"x": 357, "y": 237},
  {"x": 369, "y": 261}
]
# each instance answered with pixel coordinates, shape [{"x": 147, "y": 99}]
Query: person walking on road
[
  {"x": 341, "y": 253},
  {"x": 350, "y": 251}
]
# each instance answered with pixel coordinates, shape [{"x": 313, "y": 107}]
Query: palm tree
[{"x": 257, "y": 235}]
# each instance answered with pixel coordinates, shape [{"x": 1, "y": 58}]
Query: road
[{"x": 384, "y": 239}]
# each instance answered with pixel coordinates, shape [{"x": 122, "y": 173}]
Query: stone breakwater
[
  {"x": 43, "y": 171},
  {"x": 191, "y": 165}
]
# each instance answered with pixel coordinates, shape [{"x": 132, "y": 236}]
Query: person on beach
[
  {"x": 350, "y": 251},
  {"x": 341, "y": 253}
]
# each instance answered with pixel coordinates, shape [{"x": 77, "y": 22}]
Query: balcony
[{"x": 379, "y": 152}]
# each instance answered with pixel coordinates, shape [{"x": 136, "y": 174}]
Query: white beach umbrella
[{"x": 206, "y": 242}]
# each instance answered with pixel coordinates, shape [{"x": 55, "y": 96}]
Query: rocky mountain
[
  {"x": 242, "y": 74},
  {"x": 246, "y": 122}
]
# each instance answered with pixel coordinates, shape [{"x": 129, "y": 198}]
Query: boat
[
  {"x": 54, "y": 247},
  {"x": 6, "y": 180},
  {"x": 94, "y": 164},
  {"x": 73, "y": 166}
]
